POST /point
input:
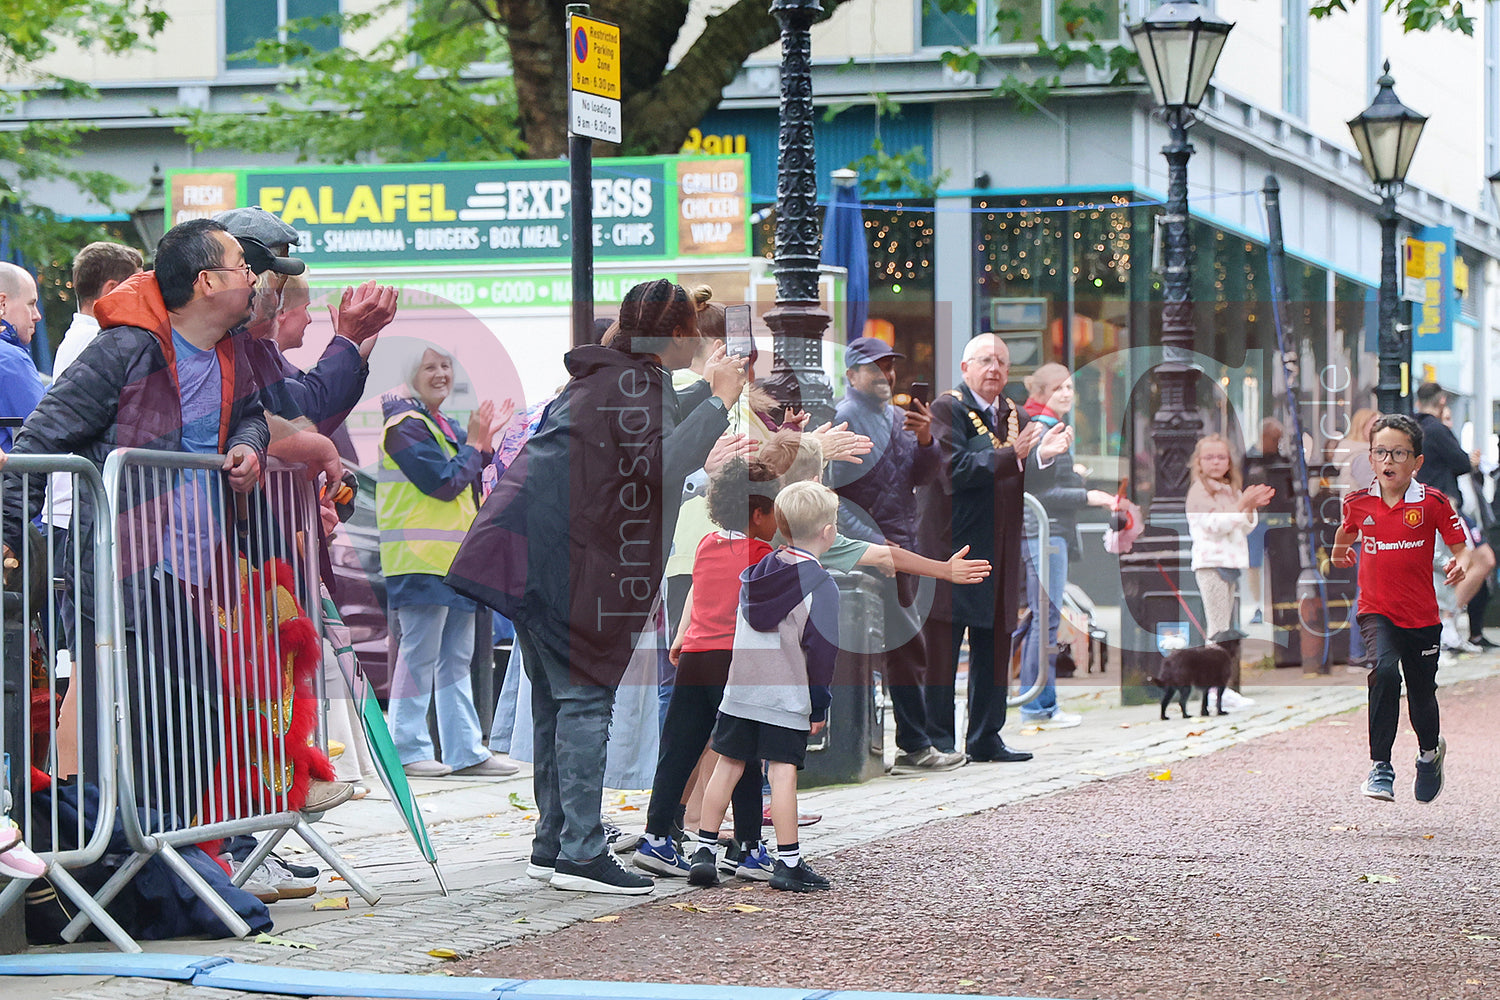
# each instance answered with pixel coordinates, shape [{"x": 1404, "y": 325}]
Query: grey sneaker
[
  {"x": 1429, "y": 781},
  {"x": 1381, "y": 784},
  {"x": 927, "y": 760}
]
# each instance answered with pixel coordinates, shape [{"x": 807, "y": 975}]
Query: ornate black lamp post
[
  {"x": 1386, "y": 134},
  {"x": 798, "y": 322},
  {"x": 1179, "y": 45}
]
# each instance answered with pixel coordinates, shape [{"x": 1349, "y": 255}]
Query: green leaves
[{"x": 1416, "y": 15}]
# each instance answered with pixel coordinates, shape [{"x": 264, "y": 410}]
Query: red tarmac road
[{"x": 1256, "y": 872}]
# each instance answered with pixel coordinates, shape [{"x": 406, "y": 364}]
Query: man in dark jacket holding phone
[{"x": 879, "y": 504}]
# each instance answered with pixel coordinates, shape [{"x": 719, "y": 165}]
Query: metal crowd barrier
[
  {"x": 1039, "y": 614},
  {"x": 206, "y": 585},
  {"x": 44, "y": 643}
]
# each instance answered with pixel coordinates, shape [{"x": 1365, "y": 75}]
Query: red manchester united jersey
[{"x": 1396, "y": 551}]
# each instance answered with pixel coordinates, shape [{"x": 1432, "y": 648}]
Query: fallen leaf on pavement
[
  {"x": 745, "y": 908},
  {"x": 630, "y": 809},
  {"x": 519, "y": 803},
  {"x": 520, "y": 920},
  {"x": 1197, "y": 732},
  {"x": 1480, "y": 937},
  {"x": 1163, "y": 776},
  {"x": 264, "y": 938},
  {"x": 606, "y": 920},
  {"x": 967, "y": 982},
  {"x": 1426, "y": 836},
  {"x": 1336, "y": 722},
  {"x": 446, "y": 954},
  {"x": 687, "y": 907},
  {"x": 1338, "y": 829},
  {"x": 1379, "y": 878},
  {"x": 332, "y": 903}
]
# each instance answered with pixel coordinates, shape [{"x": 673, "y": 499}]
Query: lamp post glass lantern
[
  {"x": 150, "y": 216},
  {"x": 1179, "y": 45},
  {"x": 1386, "y": 135}
]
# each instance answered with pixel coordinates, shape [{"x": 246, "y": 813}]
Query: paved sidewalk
[{"x": 481, "y": 830}]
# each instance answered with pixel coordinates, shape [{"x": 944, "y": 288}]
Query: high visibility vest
[{"x": 418, "y": 533}]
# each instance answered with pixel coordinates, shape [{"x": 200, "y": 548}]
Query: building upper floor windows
[
  {"x": 989, "y": 23},
  {"x": 247, "y": 22}
]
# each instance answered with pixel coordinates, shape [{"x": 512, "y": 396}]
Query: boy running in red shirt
[{"x": 1398, "y": 520}]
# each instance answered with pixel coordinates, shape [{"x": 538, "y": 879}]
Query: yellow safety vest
[{"x": 418, "y": 533}]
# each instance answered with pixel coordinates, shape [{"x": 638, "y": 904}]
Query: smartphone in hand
[
  {"x": 921, "y": 392},
  {"x": 737, "y": 339}
]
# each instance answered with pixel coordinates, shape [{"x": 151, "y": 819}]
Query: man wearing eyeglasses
[
  {"x": 985, "y": 441},
  {"x": 163, "y": 374}
]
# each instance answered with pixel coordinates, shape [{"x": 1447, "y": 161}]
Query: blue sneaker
[
  {"x": 663, "y": 860},
  {"x": 756, "y": 865},
  {"x": 1430, "y": 774},
  {"x": 1381, "y": 784}
]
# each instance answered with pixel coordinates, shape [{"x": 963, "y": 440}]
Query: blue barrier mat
[
  {"x": 109, "y": 963},
  {"x": 222, "y": 973},
  {"x": 386, "y": 986}
]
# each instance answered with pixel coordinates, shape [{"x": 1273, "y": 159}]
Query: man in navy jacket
[{"x": 878, "y": 504}]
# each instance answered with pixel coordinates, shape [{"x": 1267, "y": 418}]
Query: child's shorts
[{"x": 744, "y": 739}]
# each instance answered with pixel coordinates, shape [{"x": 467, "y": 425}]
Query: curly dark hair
[
  {"x": 1400, "y": 422},
  {"x": 654, "y": 311},
  {"x": 738, "y": 488}
]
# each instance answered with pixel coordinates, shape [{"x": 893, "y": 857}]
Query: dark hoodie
[
  {"x": 572, "y": 542},
  {"x": 785, "y": 643}
]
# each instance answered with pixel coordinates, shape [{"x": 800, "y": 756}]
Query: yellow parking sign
[{"x": 594, "y": 51}]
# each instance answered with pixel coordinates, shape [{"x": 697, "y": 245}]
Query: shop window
[
  {"x": 247, "y": 22},
  {"x": 986, "y": 23}
]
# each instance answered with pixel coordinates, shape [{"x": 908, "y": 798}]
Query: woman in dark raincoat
[{"x": 571, "y": 547}]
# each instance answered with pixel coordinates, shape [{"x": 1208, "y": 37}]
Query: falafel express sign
[{"x": 645, "y": 208}]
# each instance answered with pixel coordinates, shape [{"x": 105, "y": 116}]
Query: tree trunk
[{"x": 537, "y": 34}]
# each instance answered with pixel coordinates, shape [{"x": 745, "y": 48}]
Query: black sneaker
[
  {"x": 603, "y": 874},
  {"x": 1482, "y": 642},
  {"x": 1381, "y": 784},
  {"x": 1429, "y": 780},
  {"x": 705, "y": 870},
  {"x": 799, "y": 879}
]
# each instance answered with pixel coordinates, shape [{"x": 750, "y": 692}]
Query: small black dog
[{"x": 1203, "y": 666}]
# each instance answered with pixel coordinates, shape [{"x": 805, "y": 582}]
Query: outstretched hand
[
  {"x": 727, "y": 447},
  {"x": 840, "y": 444},
  {"x": 961, "y": 570}
]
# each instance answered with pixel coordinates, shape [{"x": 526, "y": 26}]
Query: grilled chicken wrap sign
[{"x": 460, "y": 213}]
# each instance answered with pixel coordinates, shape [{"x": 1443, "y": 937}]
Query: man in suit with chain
[{"x": 985, "y": 441}]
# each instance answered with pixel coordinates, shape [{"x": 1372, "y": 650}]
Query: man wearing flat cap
[
  {"x": 330, "y": 389},
  {"x": 878, "y": 504}
]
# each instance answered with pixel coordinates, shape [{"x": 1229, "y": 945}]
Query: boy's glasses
[{"x": 1394, "y": 454}]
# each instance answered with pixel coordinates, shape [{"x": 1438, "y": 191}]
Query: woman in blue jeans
[
  {"x": 424, "y": 504},
  {"x": 1063, "y": 492}
]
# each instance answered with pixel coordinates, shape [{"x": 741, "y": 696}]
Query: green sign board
[{"x": 645, "y": 208}]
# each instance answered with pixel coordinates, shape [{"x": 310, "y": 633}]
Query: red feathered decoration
[{"x": 269, "y": 659}]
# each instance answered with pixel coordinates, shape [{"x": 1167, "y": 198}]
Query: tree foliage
[
  {"x": 1416, "y": 15},
  {"x": 435, "y": 88},
  {"x": 30, "y": 31}
]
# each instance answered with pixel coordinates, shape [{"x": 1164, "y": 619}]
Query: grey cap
[{"x": 257, "y": 224}]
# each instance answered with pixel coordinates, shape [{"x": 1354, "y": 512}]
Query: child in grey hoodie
[{"x": 785, "y": 644}]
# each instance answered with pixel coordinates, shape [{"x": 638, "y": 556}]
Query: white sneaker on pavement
[
  {"x": 1060, "y": 720},
  {"x": 1233, "y": 700}
]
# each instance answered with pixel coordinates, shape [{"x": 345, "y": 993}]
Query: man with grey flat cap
[{"x": 330, "y": 389}]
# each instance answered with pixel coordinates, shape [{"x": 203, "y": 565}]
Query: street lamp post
[
  {"x": 798, "y": 321},
  {"x": 1179, "y": 45},
  {"x": 1386, "y": 135}
]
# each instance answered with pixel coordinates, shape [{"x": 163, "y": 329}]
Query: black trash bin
[
  {"x": 852, "y": 748},
  {"x": 14, "y": 673}
]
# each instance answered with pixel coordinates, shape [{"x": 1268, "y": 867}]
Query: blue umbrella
[{"x": 845, "y": 245}]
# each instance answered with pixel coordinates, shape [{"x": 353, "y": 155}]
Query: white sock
[
  {"x": 656, "y": 841},
  {"x": 789, "y": 855},
  {"x": 1427, "y": 756}
]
